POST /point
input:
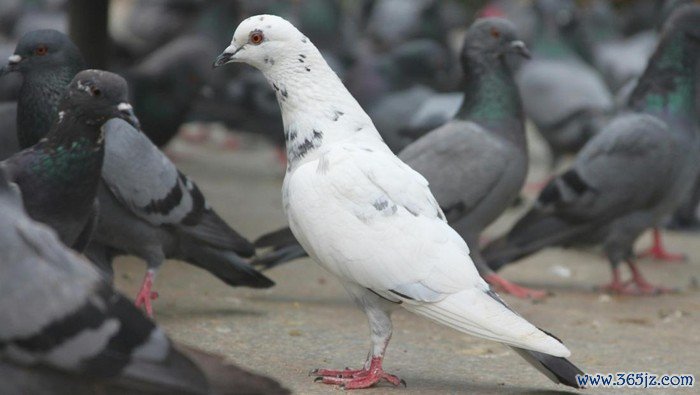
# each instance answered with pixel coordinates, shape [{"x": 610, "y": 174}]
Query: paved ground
[{"x": 307, "y": 321}]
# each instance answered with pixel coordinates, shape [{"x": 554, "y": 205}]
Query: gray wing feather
[
  {"x": 142, "y": 178},
  {"x": 628, "y": 166},
  {"x": 461, "y": 160}
]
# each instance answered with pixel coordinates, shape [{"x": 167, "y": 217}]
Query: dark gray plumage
[
  {"x": 148, "y": 208},
  {"x": 47, "y": 61},
  {"x": 59, "y": 175},
  {"x": 65, "y": 330},
  {"x": 635, "y": 172}
]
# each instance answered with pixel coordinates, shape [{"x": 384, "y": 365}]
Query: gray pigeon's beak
[
  {"x": 126, "y": 112},
  {"x": 226, "y": 56},
  {"x": 12, "y": 63},
  {"x": 520, "y": 48}
]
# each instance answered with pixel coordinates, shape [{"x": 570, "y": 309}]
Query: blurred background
[{"x": 400, "y": 59}]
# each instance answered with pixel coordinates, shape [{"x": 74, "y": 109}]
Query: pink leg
[
  {"x": 146, "y": 295},
  {"x": 503, "y": 285},
  {"x": 642, "y": 285},
  {"x": 636, "y": 286},
  {"x": 657, "y": 251},
  {"x": 615, "y": 286},
  {"x": 356, "y": 379}
]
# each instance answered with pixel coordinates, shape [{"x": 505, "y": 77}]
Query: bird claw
[
  {"x": 661, "y": 255},
  {"x": 355, "y": 379},
  {"x": 633, "y": 288},
  {"x": 146, "y": 295}
]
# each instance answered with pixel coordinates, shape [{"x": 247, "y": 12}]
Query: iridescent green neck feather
[
  {"x": 491, "y": 97},
  {"x": 667, "y": 87},
  {"x": 38, "y": 102}
]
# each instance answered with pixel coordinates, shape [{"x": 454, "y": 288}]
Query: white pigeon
[{"x": 369, "y": 218}]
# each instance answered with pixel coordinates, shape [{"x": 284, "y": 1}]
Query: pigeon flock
[{"x": 400, "y": 142}]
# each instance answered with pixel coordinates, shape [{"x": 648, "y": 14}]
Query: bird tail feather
[
  {"x": 226, "y": 265},
  {"x": 559, "y": 370},
  {"x": 276, "y": 238},
  {"x": 533, "y": 232},
  {"x": 476, "y": 312},
  {"x": 285, "y": 249}
]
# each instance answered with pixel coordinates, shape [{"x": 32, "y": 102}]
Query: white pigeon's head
[{"x": 261, "y": 41}]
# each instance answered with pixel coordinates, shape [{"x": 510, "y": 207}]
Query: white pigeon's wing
[
  {"x": 371, "y": 220},
  {"x": 378, "y": 223},
  {"x": 142, "y": 177}
]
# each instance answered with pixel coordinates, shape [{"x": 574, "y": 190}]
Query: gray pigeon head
[
  {"x": 97, "y": 96},
  {"x": 685, "y": 19},
  {"x": 492, "y": 38},
  {"x": 42, "y": 50}
]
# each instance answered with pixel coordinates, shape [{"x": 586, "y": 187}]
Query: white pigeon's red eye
[{"x": 256, "y": 37}]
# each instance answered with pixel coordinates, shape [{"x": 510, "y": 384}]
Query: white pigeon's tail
[{"x": 482, "y": 314}]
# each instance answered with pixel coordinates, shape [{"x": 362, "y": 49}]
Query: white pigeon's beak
[{"x": 227, "y": 56}]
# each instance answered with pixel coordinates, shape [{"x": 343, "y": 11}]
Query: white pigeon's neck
[{"x": 316, "y": 107}]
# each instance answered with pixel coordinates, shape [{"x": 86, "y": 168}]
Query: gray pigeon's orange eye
[
  {"x": 495, "y": 33},
  {"x": 256, "y": 37},
  {"x": 41, "y": 50}
]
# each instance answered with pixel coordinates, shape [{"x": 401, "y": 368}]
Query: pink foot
[
  {"x": 503, "y": 285},
  {"x": 657, "y": 251},
  {"x": 146, "y": 295},
  {"x": 356, "y": 379},
  {"x": 636, "y": 286}
]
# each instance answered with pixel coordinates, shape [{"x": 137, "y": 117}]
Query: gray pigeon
[
  {"x": 476, "y": 164},
  {"x": 147, "y": 207},
  {"x": 635, "y": 172},
  {"x": 565, "y": 97},
  {"x": 66, "y": 331},
  {"x": 59, "y": 175}
]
